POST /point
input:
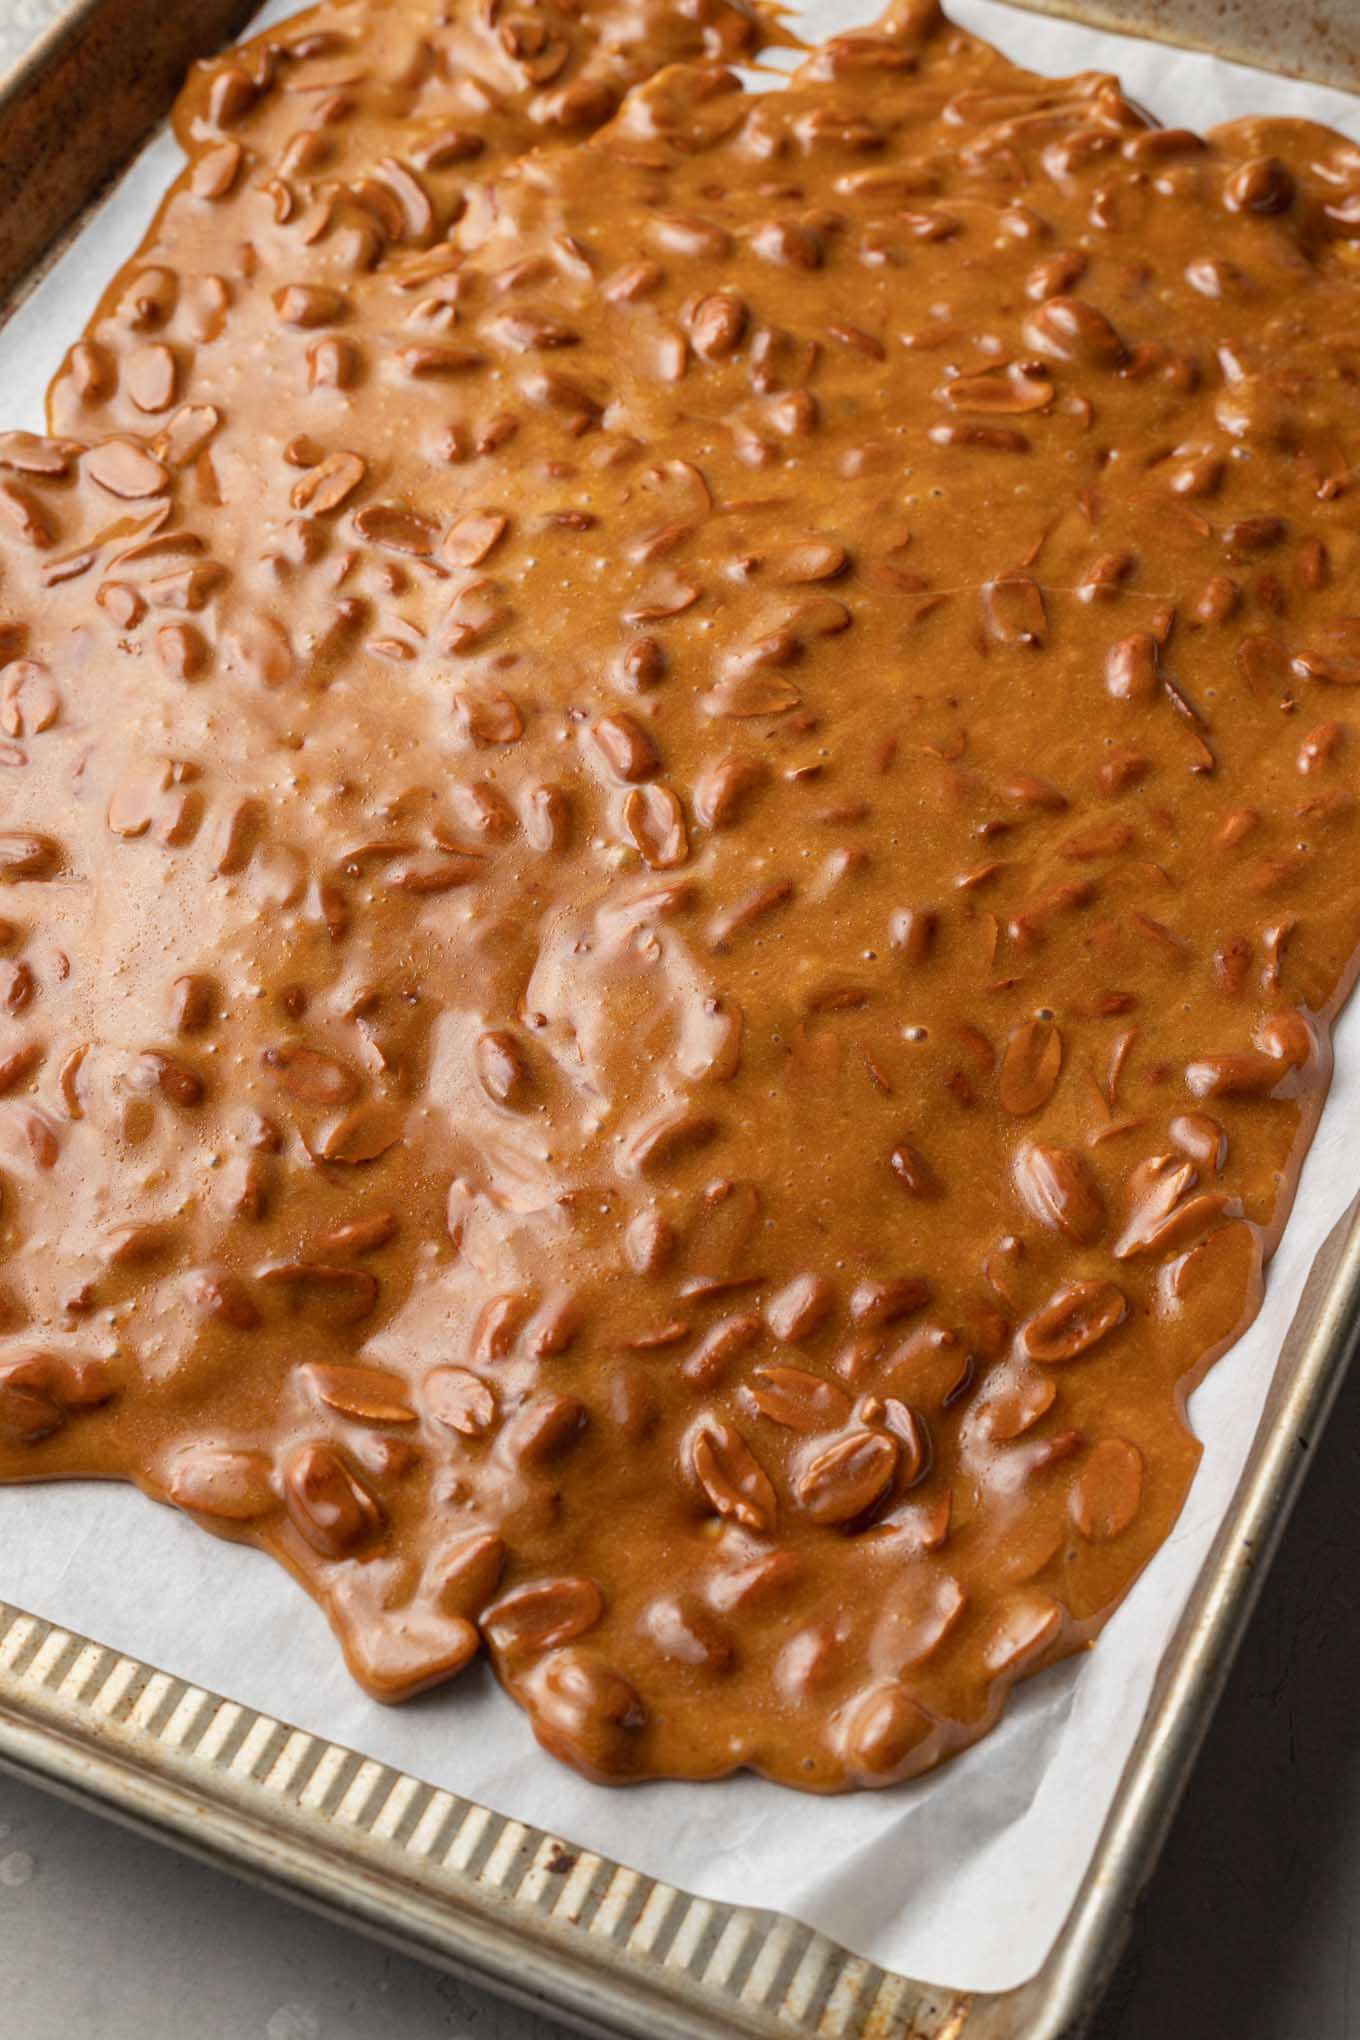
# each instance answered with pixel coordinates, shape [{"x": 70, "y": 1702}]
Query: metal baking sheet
[
  {"x": 1321, "y": 42},
  {"x": 503, "y": 1902}
]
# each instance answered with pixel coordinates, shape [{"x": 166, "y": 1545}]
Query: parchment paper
[{"x": 964, "y": 1878}]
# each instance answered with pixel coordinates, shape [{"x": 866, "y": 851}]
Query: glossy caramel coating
[{"x": 681, "y": 839}]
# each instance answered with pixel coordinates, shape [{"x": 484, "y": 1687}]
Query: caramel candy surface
[{"x": 681, "y": 838}]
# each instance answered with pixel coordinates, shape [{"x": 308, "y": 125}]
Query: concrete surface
[{"x": 21, "y": 23}]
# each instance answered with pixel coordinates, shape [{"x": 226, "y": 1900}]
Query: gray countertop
[
  {"x": 21, "y": 23},
  {"x": 1249, "y": 1929}
]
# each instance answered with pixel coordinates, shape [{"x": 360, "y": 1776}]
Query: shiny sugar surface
[{"x": 680, "y": 834}]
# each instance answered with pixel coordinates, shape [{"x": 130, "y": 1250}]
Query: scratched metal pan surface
[
  {"x": 1321, "y": 41},
  {"x": 509, "y": 1906}
]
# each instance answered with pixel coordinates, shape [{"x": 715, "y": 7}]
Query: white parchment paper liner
[{"x": 962, "y": 1879}]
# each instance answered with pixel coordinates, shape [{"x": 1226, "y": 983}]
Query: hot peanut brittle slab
[{"x": 681, "y": 834}]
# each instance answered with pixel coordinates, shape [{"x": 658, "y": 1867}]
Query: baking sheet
[{"x": 965, "y": 1877}]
